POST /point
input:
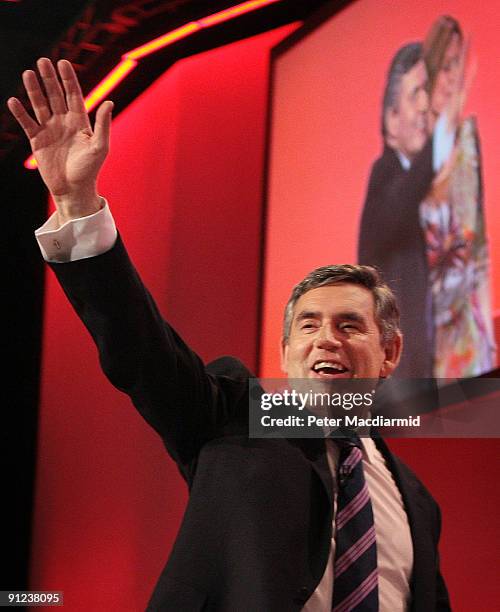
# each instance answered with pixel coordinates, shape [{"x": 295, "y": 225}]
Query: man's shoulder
[
  {"x": 387, "y": 161},
  {"x": 231, "y": 376},
  {"x": 385, "y": 169},
  {"x": 229, "y": 366}
]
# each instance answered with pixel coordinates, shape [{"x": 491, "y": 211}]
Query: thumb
[{"x": 102, "y": 125}]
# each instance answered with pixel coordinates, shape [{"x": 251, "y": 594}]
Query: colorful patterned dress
[{"x": 452, "y": 218}]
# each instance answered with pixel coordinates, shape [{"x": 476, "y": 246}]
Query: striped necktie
[{"x": 355, "y": 585}]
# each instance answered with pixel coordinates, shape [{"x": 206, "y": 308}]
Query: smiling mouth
[{"x": 330, "y": 369}]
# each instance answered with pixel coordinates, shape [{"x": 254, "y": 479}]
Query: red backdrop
[{"x": 184, "y": 180}]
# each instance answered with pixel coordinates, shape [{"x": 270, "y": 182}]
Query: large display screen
[{"x": 384, "y": 150}]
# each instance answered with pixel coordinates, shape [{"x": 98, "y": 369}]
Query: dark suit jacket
[
  {"x": 256, "y": 533},
  {"x": 392, "y": 239}
]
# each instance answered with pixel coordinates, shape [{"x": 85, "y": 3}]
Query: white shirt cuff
[
  {"x": 442, "y": 143},
  {"x": 78, "y": 238}
]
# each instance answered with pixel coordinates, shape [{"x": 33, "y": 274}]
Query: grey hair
[
  {"x": 385, "y": 305},
  {"x": 402, "y": 62}
]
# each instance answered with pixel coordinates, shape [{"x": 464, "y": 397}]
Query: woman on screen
[{"x": 453, "y": 221}]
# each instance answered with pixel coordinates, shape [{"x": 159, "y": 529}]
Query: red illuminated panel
[{"x": 129, "y": 59}]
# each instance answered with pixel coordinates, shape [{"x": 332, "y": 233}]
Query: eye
[
  {"x": 308, "y": 325},
  {"x": 348, "y": 327}
]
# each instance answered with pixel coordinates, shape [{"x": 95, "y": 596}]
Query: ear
[
  {"x": 391, "y": 120},
  {"x": 284, "y": 356},
  {"x": 392, "y": 352}
]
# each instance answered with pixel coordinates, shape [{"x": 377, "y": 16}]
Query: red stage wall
[{"x": 184, "y": 180}]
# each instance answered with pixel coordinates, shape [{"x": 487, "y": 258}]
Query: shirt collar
[{"x": 403, "y": 160}]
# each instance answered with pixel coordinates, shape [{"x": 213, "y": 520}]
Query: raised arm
[
  {"x": 139, "y": 352},
  {"x": 68, "y": 152}
]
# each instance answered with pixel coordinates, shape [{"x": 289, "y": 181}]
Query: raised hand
[
  {"x": 68, "y": 152},
  {"x": 466, "y": 73}
]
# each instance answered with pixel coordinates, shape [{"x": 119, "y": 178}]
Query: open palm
[{"x": 69, "y": 154}]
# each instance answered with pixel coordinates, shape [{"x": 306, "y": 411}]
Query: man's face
[
  {"x": 407, "y": 123},
  {"x": 334, "y": 336}
]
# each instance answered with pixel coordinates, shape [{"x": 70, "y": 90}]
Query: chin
[
  {"x": 440, "y": 104},
  {"x": 417, "y": 148}
]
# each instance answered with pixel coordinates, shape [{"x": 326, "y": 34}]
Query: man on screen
[
  {"x": 391, "y": 236},
  {"x": 258, "y": 530}
]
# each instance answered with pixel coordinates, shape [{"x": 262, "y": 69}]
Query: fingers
[
  {"x": 52, "y": 86},
  {"x": 103, "y": 124},
  {"x": 470, "y": 76},
  {"x": 36, "y": 96},
  {"x": 74, "y": 98},
  {"x": 466, "y": 73},
  {"x": 29, "y": 125},
  {"x": 54, "y": 102},
  {"x": 462, "y": 62},
  {"x": 469, "y": 67}
]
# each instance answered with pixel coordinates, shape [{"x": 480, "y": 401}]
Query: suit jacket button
[{"x": 302, "y": 595}]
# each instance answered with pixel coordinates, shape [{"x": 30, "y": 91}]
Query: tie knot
[{"x": 346, "y": 439}]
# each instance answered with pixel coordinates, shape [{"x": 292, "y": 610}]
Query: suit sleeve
[{"x": 142, "y": 355}]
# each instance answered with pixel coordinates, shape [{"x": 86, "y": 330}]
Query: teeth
[{"x": 327, "y": 364}]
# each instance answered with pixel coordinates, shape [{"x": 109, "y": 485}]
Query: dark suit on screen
[
  {"x": 256, "y": 533},
  {"x": 392, "y": 239}
]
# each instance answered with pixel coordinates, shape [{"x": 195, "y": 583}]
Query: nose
[
  {"x": 326, "y": 339},
  {"x": 453, "y": 75}
]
